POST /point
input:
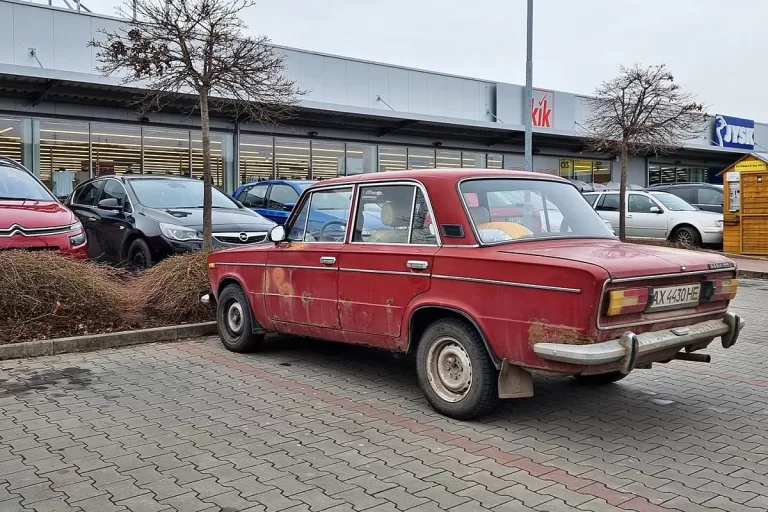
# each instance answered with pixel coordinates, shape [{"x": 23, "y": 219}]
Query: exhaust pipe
[{"x": 692, "y": 356}]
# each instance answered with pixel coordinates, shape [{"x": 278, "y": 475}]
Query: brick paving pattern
[{"x": 309, "y": 426}]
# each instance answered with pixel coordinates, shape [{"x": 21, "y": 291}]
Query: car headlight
[
  {"x": 77, "y": 240},
  {"x": 179, "y": 233}
]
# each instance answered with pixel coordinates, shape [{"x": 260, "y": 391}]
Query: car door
[
  {"x": 83, "y": 205},
  {"x": 388, "y": 261},
  {"x": 255, "y": 198},
  {"x": 281, "y": 199},
  {"x": 608, "y": 209},
  {"x": 709, "y": 199},
  {"x": 302, "y": 278},
  {"x": 113, "y": 222},
  {"x": 642, "y": 220}
]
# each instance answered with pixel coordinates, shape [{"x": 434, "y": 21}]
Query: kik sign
[
  {"x": 733, "y": 132},
  {"x": 543, "y": 108}
]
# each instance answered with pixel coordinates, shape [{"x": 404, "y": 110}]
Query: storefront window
[
  {"x": 292, "y": 159},
  {"x": 64, "y": 149},
  {"x": 217, "y": 158},
  {"x": 589, "y": 171},
  {"x": 256, "y": 158},
  {"x": 361, "y": 159},
  {"x": 602, "y": 172},
  {"x": 392, "y": 159},
  {"x": 419, "y": 158},
  {"x": 495, "y": 161},
  {"x": 327, "y": 160},
  {"x": 448, "y": 159},
  {"x": 669, "y": 173},
  {"x": 10, "y": 138},
  {"x": 166, "y": 152},
  {"x": 115, "y": 148},
  {"x": 477, "y": 160}
]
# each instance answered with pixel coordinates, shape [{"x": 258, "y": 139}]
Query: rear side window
[{"x": 87, "y": 194}]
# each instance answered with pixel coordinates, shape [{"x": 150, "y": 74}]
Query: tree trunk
[
  {"x": 623, "y": 192},
  {"x": 207, "y": 181}
]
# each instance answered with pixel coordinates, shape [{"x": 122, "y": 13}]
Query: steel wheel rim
[
  {"x": 449, "y": 369},
  {"x": 234, "y": 318}
]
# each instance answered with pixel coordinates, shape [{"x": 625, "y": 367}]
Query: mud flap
[
  {"x": 630, "y": 342},
  {"x": 514, "y": 382}
]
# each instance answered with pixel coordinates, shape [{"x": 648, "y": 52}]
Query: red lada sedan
[
  {"x": 31, "y": 218},
  {"x": 488, "y": 277}
]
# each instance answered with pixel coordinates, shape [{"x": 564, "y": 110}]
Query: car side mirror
[
  {"x": 655, "y": 209},
  {"x": 110, "y": 204},
  {"x": 277, "y": 234},
  {"x": 289, "y": 206}
]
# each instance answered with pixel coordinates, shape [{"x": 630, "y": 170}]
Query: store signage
[
  {"x": 543, "y": 108},
  {"x": 734, "y": 132},
  {"x": 751, "y": 165}
]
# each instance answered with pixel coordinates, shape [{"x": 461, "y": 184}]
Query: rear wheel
[
  {"x": 455, "y": 370},
  {"x": 233, "y": 319},
  {"x": 600, "y": 379},
  {"x": 687, "y": 236}
]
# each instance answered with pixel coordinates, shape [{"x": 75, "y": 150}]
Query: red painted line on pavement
[{"x": 585, "y": 486}]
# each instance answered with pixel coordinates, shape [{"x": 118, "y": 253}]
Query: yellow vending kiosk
[{"x": 745, "y": 208}]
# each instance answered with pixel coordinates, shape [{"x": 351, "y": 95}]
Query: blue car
[{"x": 274, "y": 199}]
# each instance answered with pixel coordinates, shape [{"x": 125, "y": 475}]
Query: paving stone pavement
[{"x": 308, "y": 426}]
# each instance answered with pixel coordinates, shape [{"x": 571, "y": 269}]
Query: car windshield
[
  {"x": 507, "y": 210},
  {"x": 674, "y": 203},
  {"x": 19, "y": 184},
  {"x": 165, "y": 194}
]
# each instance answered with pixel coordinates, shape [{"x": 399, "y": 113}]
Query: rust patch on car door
[{"x": 546, "y": 333}]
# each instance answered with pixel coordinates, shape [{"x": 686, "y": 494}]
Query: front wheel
[
  {"x": 233, "y": 319},
  {"x": 139, "y": 255},
  {"x": 455, "y": 371},
  {"x": 600, "y": 379}
]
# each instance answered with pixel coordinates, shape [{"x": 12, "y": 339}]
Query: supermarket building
[{"x": 58, "y": 114}]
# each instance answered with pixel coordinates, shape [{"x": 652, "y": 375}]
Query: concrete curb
[
  {"x": 107, "y": 340},
  {"x": 751, "y": 274}
]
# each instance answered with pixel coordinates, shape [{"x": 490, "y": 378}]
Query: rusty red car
[{"x": 487, "y": 277}]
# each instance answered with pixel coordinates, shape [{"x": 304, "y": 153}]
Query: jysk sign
[{"x": 734, "y": 132}]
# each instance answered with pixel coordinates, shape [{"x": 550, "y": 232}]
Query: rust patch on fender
[{"x": 545, "y": 333}]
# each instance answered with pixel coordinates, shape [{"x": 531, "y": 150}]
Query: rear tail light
[
  {"x": 724, "y": 289},
  {"x": 622, "y": 302}
]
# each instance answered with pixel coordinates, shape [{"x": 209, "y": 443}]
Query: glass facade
[
  {"x": 589, "y": 171},
  {"x": 670, "y": 173},
  {"x": 10, "y": 138}
]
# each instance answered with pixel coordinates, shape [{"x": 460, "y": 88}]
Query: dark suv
[{"x": 704, "y": 196}]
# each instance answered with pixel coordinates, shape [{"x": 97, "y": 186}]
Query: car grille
[
  {"x": 16, "y": 229},
  {"x": 248, "y": 237}
]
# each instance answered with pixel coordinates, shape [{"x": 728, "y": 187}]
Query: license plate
[{"x": 673, "y": 297}]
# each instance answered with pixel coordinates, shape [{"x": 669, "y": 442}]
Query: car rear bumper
[{"x": 630, "y": 346}]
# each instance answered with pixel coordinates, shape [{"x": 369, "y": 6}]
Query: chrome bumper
[{"x": 630, "y": 346}]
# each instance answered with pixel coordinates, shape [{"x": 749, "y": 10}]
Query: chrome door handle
[
  {"x": 417, "y": 265},
  {"x": 327, "y": 260}
]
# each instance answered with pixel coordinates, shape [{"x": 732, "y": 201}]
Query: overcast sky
[{"x": 715, "y": 48}]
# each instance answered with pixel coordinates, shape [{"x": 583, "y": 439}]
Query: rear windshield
[
  {"x": 19, "y": 184},
  {"x": 507, "y": 210}
]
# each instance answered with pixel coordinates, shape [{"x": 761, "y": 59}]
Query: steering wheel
[{"x": 328, "y": 224}]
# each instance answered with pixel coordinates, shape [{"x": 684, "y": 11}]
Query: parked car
[
  {"x": 274, "y": 199},
  {"x": 32, "y": 218},
  {"x": 704, "y": 196},
  {"x": 661, "y": 216},
  {"x": 138, "y": 220},
  {"x": 483, "y": 300}
]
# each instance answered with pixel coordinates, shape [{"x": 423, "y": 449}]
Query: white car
[{"x": 660, "y": 215}]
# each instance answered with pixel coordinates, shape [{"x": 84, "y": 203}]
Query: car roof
[
  {"x": 270, "y": 182},
  {"x": 439, "y": 174}
]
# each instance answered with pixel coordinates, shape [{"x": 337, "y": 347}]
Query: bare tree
[
  {"x": 197, "y": 47},
  {"x": 642, "y": 111}
]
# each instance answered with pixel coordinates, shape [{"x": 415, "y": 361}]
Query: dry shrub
[
  {"x": 45, "y": 295},
  {"x": 171, "y": 290}
]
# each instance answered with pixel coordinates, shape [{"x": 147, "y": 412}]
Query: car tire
[
  {"x": 466, "y": 389},
  {"x": 233, "y": 319},
  {"x": 139, "y": 256},
  {"x": 686, "y": 235},
  {"x": 600, "y": 379}
]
